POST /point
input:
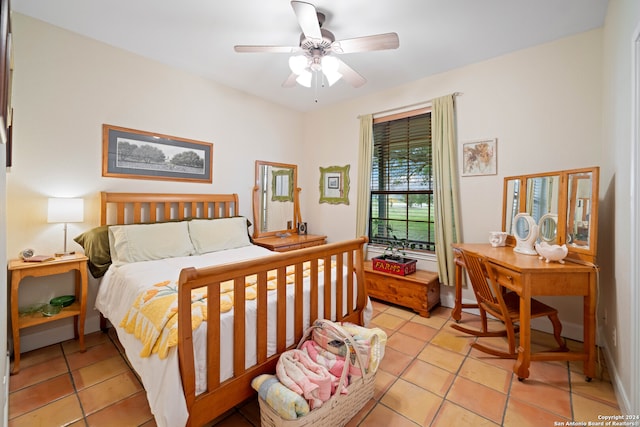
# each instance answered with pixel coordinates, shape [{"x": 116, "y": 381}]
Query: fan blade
[
  {"x": 307, "y": 19},
  {"x": 367, "y": 43},
  {"x": 268, "y": 49},
  {"x": 291, "y": 80},
  {"x": 350, "y": 75}
]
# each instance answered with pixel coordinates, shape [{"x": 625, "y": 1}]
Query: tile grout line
[{"x": 73, "y": 384}]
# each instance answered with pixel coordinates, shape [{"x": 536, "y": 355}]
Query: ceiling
[{"x": 435, "y": 36}]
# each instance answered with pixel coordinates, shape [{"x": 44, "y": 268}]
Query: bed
[{"x": 221, "y": 345}]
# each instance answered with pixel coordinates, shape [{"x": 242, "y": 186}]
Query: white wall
[
  {"x": 4, "y": 386},
  {"x": 542, "y": 104},
  {"x": 65, "y": 87},
  {"x": 618, "y": 186}
]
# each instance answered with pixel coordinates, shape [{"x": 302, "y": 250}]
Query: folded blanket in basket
[
  {"x": 333, "y": 363},
  {"x": 298, "y": 372},
  {"x": 328, "y": 340},
  {"x": 375, "y": 339},
  {"x": 287, "y": 403}
]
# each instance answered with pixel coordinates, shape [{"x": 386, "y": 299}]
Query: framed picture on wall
[
  {"x": 479, "y": 157},
  {"x": 130, "y": 153},
  {"x": 334, "y": 185}
]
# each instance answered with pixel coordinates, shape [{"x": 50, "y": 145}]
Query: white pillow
[
  {"x": 145, "y": 242},
  {"x": 211, "y": 235}
]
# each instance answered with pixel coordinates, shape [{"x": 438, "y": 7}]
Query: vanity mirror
[
  {"x": 563, "y": 205},
  {"x": 525, "y": 231},
  {"x": 275, "y": 199},
  {"x": 548, "y": 228}
]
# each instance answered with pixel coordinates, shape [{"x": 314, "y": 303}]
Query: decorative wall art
[
  {"x": 130, "y": 153},
  {"x": 479, "y": 157},
  {"x": 334, "y": 185}
]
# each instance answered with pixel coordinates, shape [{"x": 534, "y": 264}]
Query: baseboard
[
  {"x": 5, "y": 386},
  {"x": 624, "y": 402}
]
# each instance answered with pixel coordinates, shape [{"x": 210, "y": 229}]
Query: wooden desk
[{"x": 529, "y": 276}]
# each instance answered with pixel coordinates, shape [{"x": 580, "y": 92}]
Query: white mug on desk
[{"x": 497, "y": 238}]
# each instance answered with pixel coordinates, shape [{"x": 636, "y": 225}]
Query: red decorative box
[{"x": 399, "y": 266}]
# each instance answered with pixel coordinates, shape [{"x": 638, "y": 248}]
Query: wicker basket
[{"x": 340, "y": 408}]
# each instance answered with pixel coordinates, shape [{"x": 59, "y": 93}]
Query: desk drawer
[{"x": 508, "y": 278}]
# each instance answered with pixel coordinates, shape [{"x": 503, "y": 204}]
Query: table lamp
[{"x": 65, "y": 210}]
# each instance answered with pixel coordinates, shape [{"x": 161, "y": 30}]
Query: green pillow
[{"x": 96, "y": 247}]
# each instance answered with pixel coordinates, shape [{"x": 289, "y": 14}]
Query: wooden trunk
[{"x": 419, "y": 291}]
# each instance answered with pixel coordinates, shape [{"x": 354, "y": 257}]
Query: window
[{"x": 401, "y": 206}]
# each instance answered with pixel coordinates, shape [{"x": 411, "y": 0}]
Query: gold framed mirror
[
  {"x": 275, "y": 199},
  {"x": 564, "y": 204}
]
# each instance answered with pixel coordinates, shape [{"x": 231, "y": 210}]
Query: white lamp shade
[{"x": 65, "y": 210}]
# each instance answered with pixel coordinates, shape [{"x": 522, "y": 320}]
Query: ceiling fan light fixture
[
  {"x": 304, "y": 78},
  {"x": 330, "y": 69},
  {"x": 298, "y": 64}
]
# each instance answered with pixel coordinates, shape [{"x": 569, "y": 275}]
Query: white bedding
[{"x": 161, "y": 377}]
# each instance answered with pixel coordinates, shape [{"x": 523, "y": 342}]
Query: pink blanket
[
  {"x": 298, "y": 372},
  {"x": 333, "y": 363}
]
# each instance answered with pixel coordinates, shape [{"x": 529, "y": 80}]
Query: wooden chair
[{"x": 505, "y": 306}]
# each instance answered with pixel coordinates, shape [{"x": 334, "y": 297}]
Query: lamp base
[{"x": 65, "y": 254}]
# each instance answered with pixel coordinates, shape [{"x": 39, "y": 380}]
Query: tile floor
[{"x": 429, "y": 377}]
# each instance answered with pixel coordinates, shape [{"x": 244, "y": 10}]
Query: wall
[
  {"x": 65, "y": 87},
  {"x": 4, "y": 398},
  {"x": 542, "y": 104},
  {"x": 619, "y": 189}
]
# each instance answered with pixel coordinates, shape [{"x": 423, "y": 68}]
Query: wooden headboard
[{"x": 136, "y": 208}]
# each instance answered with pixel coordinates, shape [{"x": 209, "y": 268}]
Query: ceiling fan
[{"x": 317, "y": 49}]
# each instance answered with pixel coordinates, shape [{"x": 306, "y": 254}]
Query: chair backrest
[{"x": 481, "y": 283}]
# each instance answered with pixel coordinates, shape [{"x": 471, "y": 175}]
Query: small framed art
[{"x": 479, "y": 157}]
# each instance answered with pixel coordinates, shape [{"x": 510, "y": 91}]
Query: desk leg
[
  {"x": 590, "y": 328},
  {"x": 456, "y": 313},
  {"x": 521, "y": 367}
]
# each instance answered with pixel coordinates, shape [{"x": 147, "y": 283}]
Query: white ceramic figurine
[{"x": 552, "y": 252}]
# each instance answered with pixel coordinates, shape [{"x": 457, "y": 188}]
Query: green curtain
[
  {"x": 445, "y": 174},
  {"x": 364, "y": 174}
]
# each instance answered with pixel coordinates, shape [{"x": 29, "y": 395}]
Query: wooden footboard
[{"x": 222, "y": 396}]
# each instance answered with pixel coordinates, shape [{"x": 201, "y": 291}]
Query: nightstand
[
  {"x": 20, "y": 269},
  {"x": 290, "y": 243}
]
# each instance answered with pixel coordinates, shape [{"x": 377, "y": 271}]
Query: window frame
[{"x": 427, "y": 247}]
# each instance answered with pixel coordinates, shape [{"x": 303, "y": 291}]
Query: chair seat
[{"x": 538, "y": 308}]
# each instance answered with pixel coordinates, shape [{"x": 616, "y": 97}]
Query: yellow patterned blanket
[{"x": 153, "y": 317}]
